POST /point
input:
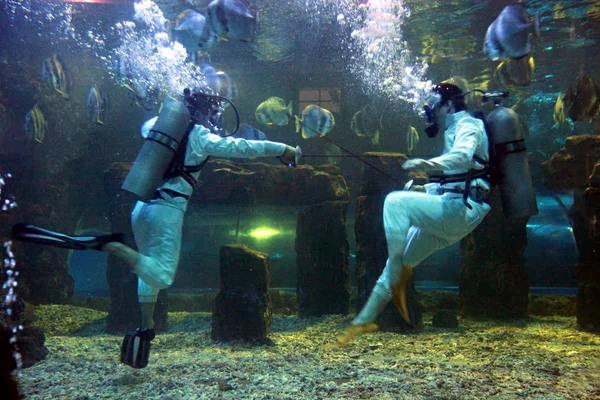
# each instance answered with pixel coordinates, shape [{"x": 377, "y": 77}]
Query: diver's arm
[
  {"x": 211, "y": 144},
  {"x": 459, "y": 157}
]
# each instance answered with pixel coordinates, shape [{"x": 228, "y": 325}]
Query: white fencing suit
[
  {"x": 417, "y": 224},
  {"x": 157, "y": 225}
]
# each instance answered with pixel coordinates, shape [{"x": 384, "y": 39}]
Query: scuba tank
[
  {"x": 508, "y": 156},
  {"x": 158, "y": 150}
]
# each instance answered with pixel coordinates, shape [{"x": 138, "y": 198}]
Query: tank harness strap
[
  {"x": 514, "y": 146},
  {"x": 187, "y": 171},
  {"x": 472, "y": 174},
  {"x": 467, "y": 178},
  {"x": 163, "y": 139}
]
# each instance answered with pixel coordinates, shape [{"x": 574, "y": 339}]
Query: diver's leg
[
  {"x": 148, "y": 315},
  {"x": 124, "y": 252},
  {"x": 147, "y": 295},
  {"x": 402, "y": 212}
]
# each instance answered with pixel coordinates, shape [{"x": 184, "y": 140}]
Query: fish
[
  {"x": 219, "y": 82},
  {"x": 412, "y": 139},
  {"x": 139, "y": 88},
  {"x": 585, "y": 102},
  {"x": 510, "y": 73},
  {"x": 559, "y": 110},
  {"x": 273, "y": 111},
  {"x": 509, "y": 36},
  {"x": 231, "y": 19},
  {"x": 366, "y": 123},
  {"x": 333, "y": 154},
  {"x": 97, "y": 105},
  {"x": 191, "y": 29},
  {"x": 57, "y": 76},
  {"x": 249, "y": 132},
  {"x": 35, "y": 124},
  {"x": 314, "y": 121}
]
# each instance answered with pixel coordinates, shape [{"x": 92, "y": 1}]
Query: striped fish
[
  {"x": 57, "y": 76},
  {"x": 231, "y": 19},
  {"x": 315, "y": 121},
  {"x": 35, "y": 124},
  {"x": 97, "y": 105},
  {"x": 219, "y": 82}
]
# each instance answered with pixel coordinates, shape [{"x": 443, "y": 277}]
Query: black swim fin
[{"x": 35, "y": 234}]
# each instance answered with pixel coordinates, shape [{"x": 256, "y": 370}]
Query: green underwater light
[{"x": 263, "y": 233}]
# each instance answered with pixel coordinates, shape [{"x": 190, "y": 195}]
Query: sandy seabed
[{"x": 537, "y": 358}]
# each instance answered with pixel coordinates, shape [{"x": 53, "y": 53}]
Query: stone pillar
[
  {"x": 124, "y": 312},
  {"x": 371, "y": 246},
  {"x": 587, "y": 217},
  {"x": 576, "y": 166},
  {"x": 243, "y": 308},
  {"x": 493, "y": 274},
  {"x": 323, "y": 259}
]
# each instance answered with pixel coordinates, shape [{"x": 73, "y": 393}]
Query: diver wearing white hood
[
  {"x": 157, "y": 224},
  {"x": 417, "y": 224}
]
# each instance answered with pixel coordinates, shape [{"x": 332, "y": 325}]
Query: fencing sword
[{"x": 360, "y": 158}]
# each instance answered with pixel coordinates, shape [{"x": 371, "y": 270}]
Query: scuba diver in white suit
[{"x": 418, "y": 223}]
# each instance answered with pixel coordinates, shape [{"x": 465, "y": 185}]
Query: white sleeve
[
  {"x": 147, "y": 126},
  {"x": 205, "y": 144},
  {"x": 460, "y": 155}
]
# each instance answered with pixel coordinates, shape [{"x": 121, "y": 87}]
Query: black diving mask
[{"x": 207, "y": 110}]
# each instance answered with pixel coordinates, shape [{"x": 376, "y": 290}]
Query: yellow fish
[
  {"x": 35, "y": 124},
  {"x": 559, "y": 110},
  {"x": 412, "y": 139},
  {"x": 511, "y": 72}
]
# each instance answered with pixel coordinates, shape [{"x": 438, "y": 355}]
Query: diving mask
[{"x": 431, "y": 102}]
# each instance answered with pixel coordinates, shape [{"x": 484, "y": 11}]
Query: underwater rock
[
  {"x": 323, "y": 259},
  {"x": 576, "y": 167},
  {"x": 493, "y": 273},
  {"x": 445, "y": 319},
  {"x": 30, "y": 342},
  {"x": 374, "y": 182},
  {"x": 570, "y": 167},
  {"x": 226, "y": 182},
  {"x": 586, "y": 217},
  {"x": 243, "y": 307},
  {"x": 8, "y": 383}
]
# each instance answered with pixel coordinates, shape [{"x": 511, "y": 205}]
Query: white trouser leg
[
  {"x": 374, "y": 305},
  {"x": 157, "y": 228}
]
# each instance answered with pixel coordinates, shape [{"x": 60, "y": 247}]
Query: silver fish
[
  {"x": 249, "y": 132},
  {"x": 273, "y": 111},
  {"x": 219, "y": 82},
  {"x": 97, "y": 105},
  {"x": 35, "y": 124},
  {"x": 191, "y": 30},
  {"x": 315, "y": 121},
  {"x": 366, "y": 123},
  {"x": 509, "y": 36},
  {"x": 333, "y": 153},
  {"x": 231, "y": 19}
]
